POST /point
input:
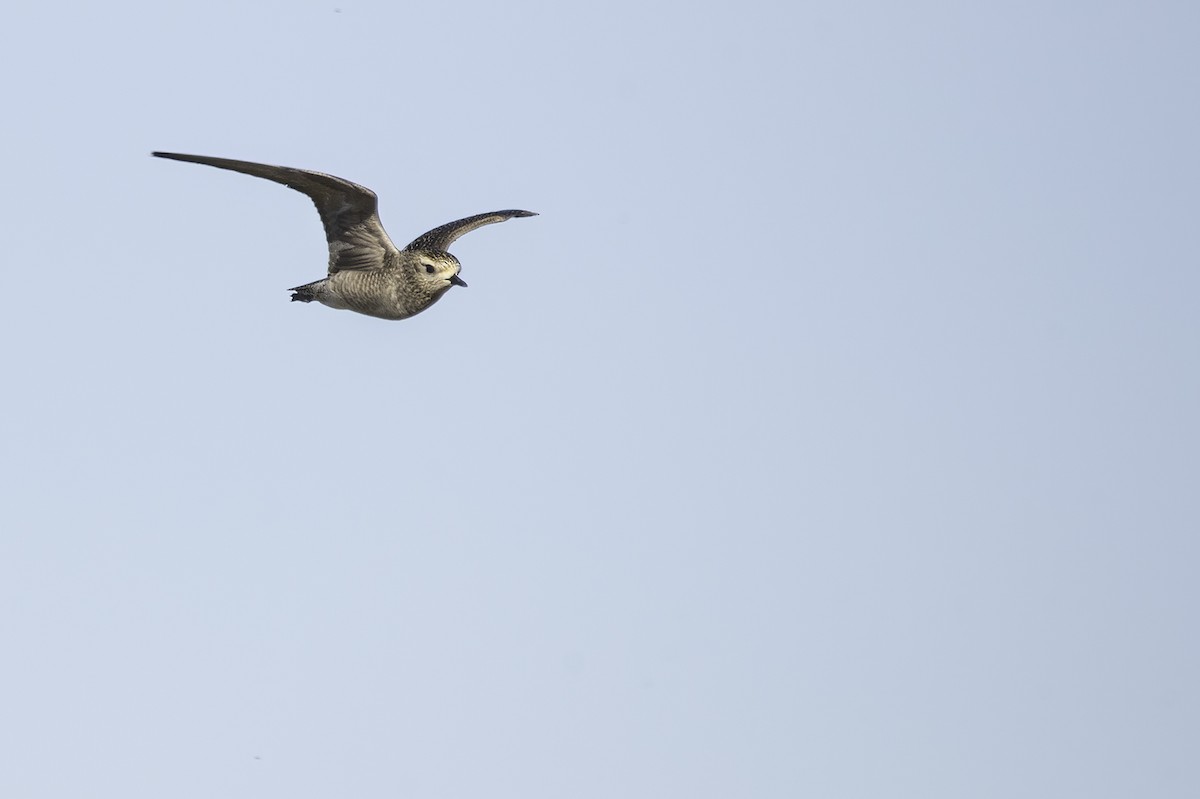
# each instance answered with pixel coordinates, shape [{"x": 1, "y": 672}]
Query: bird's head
[{"x": 437, "y": 271}]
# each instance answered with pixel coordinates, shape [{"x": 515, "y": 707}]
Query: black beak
[{"x": 458, "y": 281}]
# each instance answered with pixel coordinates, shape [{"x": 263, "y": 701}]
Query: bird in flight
[{"x": 367, "y": 272}]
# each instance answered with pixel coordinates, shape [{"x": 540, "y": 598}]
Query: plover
[{"x": 367, "y": 273}]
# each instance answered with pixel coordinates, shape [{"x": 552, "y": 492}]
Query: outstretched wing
[
  {"x": 440, "y": 238},
  {"x": 348, "y": 211}
]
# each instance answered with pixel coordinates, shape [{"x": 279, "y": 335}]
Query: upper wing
[
  {"x": 440, "y": 238},
  {"x": 348, "y": 211}
]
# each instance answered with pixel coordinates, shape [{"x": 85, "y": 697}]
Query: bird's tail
[{"x": 305, "y": 293}]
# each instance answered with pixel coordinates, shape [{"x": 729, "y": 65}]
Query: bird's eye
[{"x": 429, "y": 269}]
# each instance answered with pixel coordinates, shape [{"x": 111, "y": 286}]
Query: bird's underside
[{"x": 367, "y": 273}]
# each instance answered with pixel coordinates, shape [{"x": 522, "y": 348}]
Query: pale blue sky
[{"x": 832, "y": 433}]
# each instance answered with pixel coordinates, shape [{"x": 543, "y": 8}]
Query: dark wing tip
[
  {"x": 191, "y": 159},
  {"x": 511, "y": 213}
]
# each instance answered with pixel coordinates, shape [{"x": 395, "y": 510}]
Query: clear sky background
[{"x": 833, "y": 432}]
